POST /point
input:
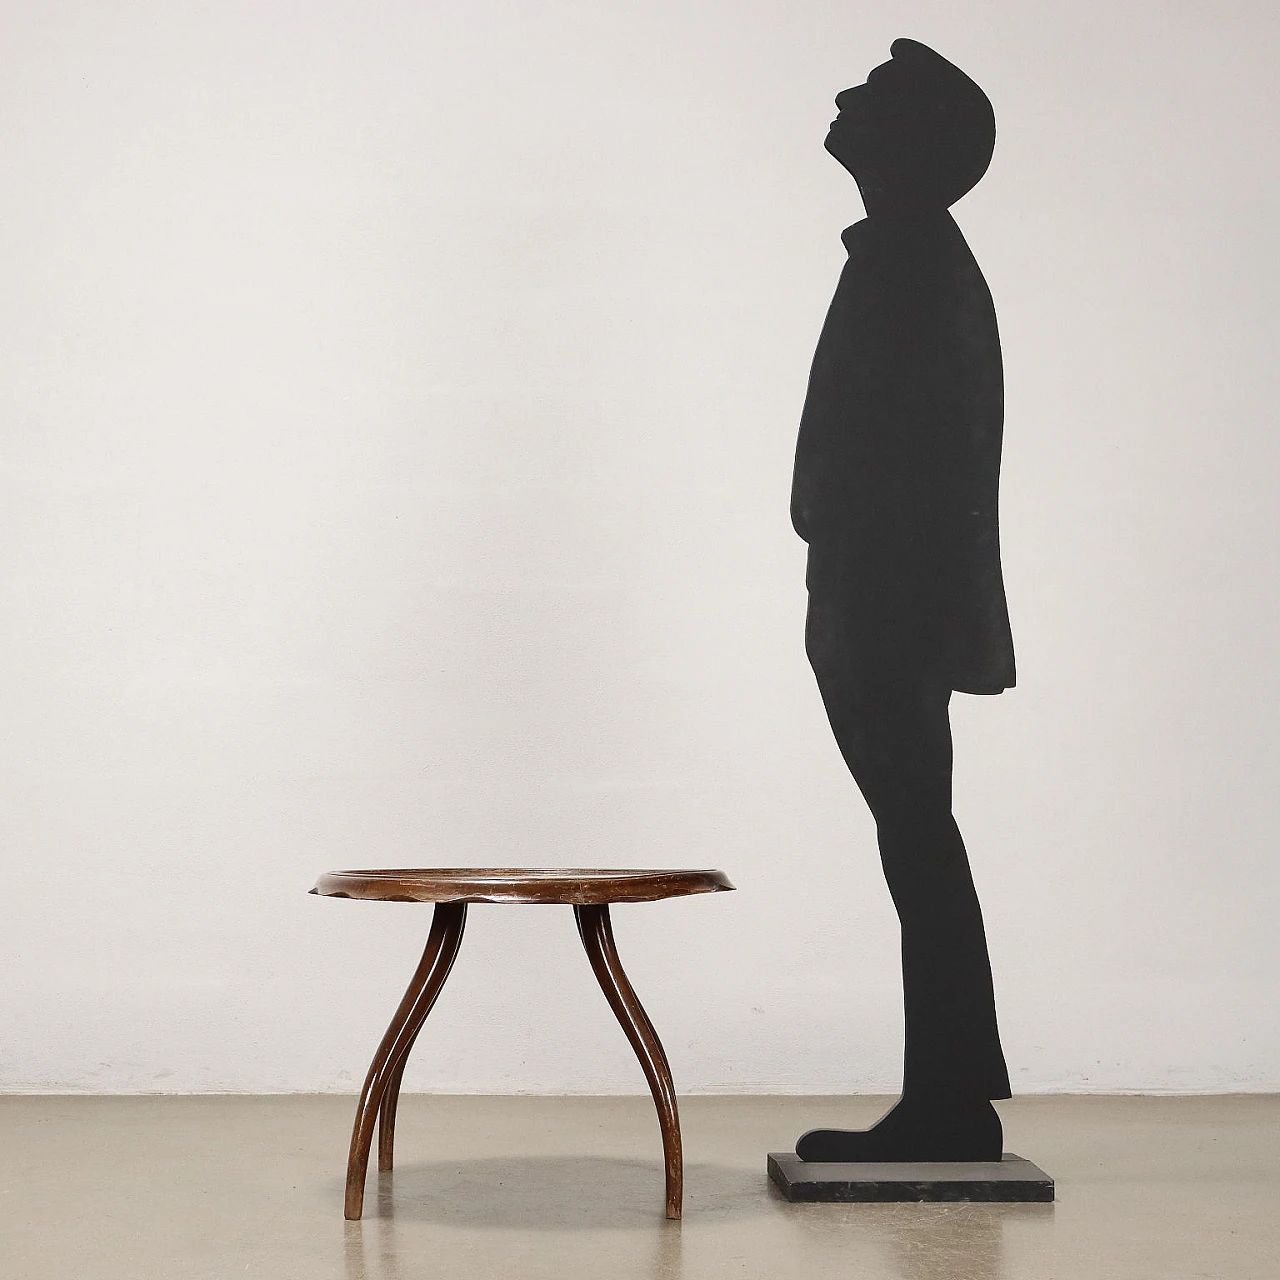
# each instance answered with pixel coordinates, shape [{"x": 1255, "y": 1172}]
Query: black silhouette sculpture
[{"x": 896, "y": 478}]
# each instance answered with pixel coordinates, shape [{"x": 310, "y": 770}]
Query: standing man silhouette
[{"x": 896, "y": 480}]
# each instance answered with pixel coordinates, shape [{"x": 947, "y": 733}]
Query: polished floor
[{"x": 211, "y": 1188}]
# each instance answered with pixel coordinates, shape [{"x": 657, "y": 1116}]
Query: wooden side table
[{"x": 590, "y": 893}]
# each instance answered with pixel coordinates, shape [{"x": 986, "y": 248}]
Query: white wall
[{"x": 398, "y": 407}]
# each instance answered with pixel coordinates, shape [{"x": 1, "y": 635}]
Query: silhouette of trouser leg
[{"x": 893, "y": 728}]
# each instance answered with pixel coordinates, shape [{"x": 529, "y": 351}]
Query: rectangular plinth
[{"x": 1012, "y": 1179}]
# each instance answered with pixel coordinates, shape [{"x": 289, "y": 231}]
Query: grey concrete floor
[{"x": 519, "y": 1188}]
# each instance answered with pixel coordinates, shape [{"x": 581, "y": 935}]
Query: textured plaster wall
[{"x": 398, "y": 402}]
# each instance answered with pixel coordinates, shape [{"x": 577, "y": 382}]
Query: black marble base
[{"x": 1011, "y": 1179}]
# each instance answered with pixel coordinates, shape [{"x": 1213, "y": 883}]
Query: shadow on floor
[
  {"x": 538, "y": 1194},
  {"x": 556, "y": 1193}
]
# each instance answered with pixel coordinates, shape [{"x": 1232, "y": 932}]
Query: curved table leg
[
  {"x": 388, "y": 1062},
  {"x": 597, "y": 937},
  {"x": 391, "y": 1096},
  {"x": 387, "y": 1116}
]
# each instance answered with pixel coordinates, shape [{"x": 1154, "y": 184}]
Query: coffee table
[{"x": 452, "y": 890}]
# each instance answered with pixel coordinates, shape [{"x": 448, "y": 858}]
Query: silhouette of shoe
[{"x": 919, "y": 1131}]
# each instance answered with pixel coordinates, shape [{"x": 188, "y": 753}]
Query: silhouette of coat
[{"x": 898, "y": 458}]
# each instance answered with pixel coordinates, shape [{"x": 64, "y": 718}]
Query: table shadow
[{"x": 555, "y": 1193}]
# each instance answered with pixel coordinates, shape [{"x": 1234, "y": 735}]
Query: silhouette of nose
[{"x": 847, "y": 97}]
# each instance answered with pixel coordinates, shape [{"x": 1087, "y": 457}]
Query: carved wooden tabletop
[{"x": 571, "y": 886}]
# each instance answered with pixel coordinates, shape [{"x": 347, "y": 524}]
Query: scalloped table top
[{"x": 571, "y": 885}]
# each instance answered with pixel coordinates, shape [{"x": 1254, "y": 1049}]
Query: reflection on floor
[{"x": 211, "y": 1188}]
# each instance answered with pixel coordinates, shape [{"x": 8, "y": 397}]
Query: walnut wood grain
[{"x": 571, "y": 886}]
